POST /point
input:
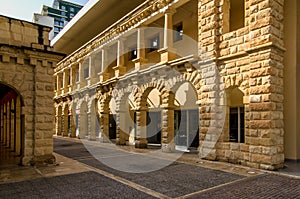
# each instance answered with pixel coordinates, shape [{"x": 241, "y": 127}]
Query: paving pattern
[
  {"x": 89, "y": 178},
  {"x": 262, "y": 186},
  {"x": 174, "y": 180},
  {"x": 80, "y": 185}
]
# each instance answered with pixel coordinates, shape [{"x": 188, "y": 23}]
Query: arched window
[{"x": 236, "y": 116}]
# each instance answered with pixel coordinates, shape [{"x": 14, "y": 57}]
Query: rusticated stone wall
[{"x": 26, "y": 67}]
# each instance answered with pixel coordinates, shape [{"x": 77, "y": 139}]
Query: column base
[
  {"x": 120, "y": 142},
  {"x": 167, "y": 54},
  {"x": 38, "y": 160},
  {"x": 168, "y": 148},
  {"x": 141, "y": 144}
]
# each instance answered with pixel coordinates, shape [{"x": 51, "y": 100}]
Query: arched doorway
[
  {"x": 12, "y": 125},
  {"x": 186, "y": 118},
  {"x": 148, "y": 119},
  {"x": 66, "y": 121},
  {"x": 83, "y": 121},
  {"x": 153, "y": 118}
]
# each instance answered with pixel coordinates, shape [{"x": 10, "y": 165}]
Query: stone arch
[
  {"x": 186, "y": 115},
  {"x": 125, "y": 117},
  {"x": 194, "y": 78},
  {"x": 142, "y": 112},
  {"x": 83, "y": 120},
  {"x": 59, "y": 111},
  {"x": 234, "y": 127},
  {"x": 72, "y": 119},
  {"x": 12, "y": 120},
  {"x": 65, "y": 119},
  {"x": 92, "y": 118},
  {"x": 103, "y": 115}
]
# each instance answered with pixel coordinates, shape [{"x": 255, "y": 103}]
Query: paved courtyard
[{"x": 80, "y": 174}]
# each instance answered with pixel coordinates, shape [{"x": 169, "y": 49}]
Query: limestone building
[
  {"x": 26, "y": 68},
  {"x": 219, "y": 76}
]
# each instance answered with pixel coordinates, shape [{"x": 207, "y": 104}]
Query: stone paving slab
[
  {"x": 80, "y": 185},
  {"x": 174, "y": 180},
  {"x": 261, "y": 186}
]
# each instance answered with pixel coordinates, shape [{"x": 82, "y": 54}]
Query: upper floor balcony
[{"x": 154, "y": 34}]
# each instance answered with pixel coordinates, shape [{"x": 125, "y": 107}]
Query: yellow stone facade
[
  {"x": 26, "y": 83},
  {"x": 235, "y": 70}
]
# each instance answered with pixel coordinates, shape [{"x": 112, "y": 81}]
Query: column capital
[{"x": 170, "y": 10}]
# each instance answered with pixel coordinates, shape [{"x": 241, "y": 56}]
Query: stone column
[
  {"x": 120, "y": 69},
  {"x": 18, "y": 126},
  {"x": 141, "y": 51},
  {"x": 9, "y": 120},
  {"x": 104, "y": 75},
  {"x": 65, "y": 122},
  {"x": 210, "y": 113},
  {"x": 120, "y": 122},
  {"x": 83, "y": 125},
  {"x": 5, "y": 124},
  {"x": 141, "y": 130},
  {"x": 12, "y": 130},
  {"x": 104, "y": 126},
  {"x": 168, "y": 53},
  {"x": 81, "y": 80},
  {"x": 89, "y": 79},
  {"x": 59, "y": 83},
  {"x": 1, "y": 123},
  {"x": 92, "y": 121},
  {"x": 58, "y": 124},
  {"x": 167, "y": 130},
  {"x": 72, "y": 126},
  {"x": 66, "y": 75},
  {"x": 266, "y": 87}
]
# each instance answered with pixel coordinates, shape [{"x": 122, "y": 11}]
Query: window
[
  {"x": 63, "y": 7},
  {"x": 237, "y": 124},
  {"x": 236, "y": 115},
  {"x": 154, "y": 43},
  {"x": 72, "y": 15},
  {"x": 133, "y": 53},
  {"x": 77, "y": 76},
  {"x": 63, "y": 13},
  {"x": 72, "y": 9},
  {"x": 56, "y": 23},
  {"x": 86, "y": 73},
  {"x": 61, "y": 24},
  {"x": 178, "y": 32},
  {"x": 56, "y": 29},
  {"x": 234, "y": 15}
]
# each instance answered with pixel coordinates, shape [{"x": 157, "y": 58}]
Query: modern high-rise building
[{"x": 61, "y": 12}]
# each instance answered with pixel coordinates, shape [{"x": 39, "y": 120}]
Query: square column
[
  {"x": 141, "y": 130},
  {"x": 66, "y": 76},
  {"x": 120, "y": 69},
  {"x": 167, "y": 130},
  {"x": 103, "y": 74},
  {"x": 141, "y": 51},
  {"x": 168, "y": 53}
]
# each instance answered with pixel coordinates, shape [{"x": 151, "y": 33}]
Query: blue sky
[{"x": 24, "y": 9}]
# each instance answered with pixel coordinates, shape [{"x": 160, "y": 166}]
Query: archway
[
  {"x": 153, "y": 118},
  {"x": 125, "y": 118},
  {"x": 83, "y": 121},
  {"x": 59, "y": 120},
  {"x": 12, "y": 125},
  {"x": 148, "y": 119},
  {"x": 66, "y": 121},
  {"x": 186, "y": 118}
]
